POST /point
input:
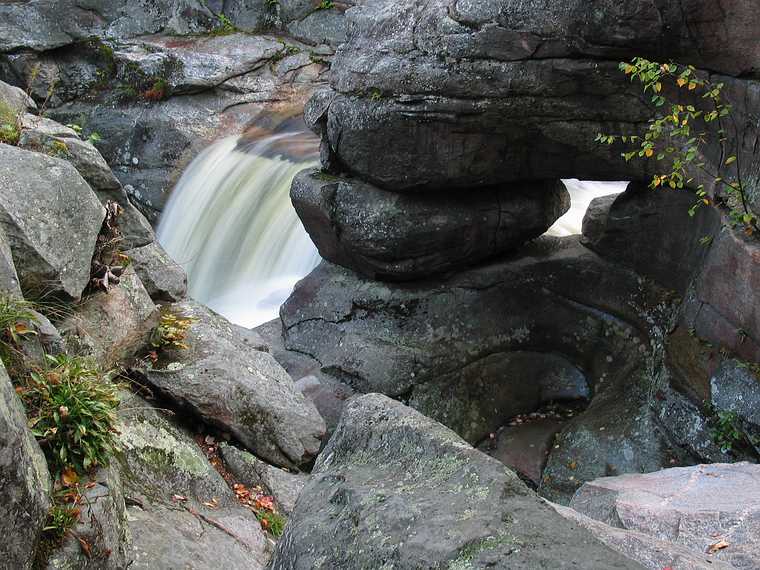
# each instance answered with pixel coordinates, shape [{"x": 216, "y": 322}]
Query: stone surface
[
  {"x": 24, "y": 482},
  {"x": 9, "y": 282},
  {"x": 652, "y": 232},
  {"x": 163, "y": 278},
  {"x": 102, "y": 525},
  {"x": 385, "y": 235},
  {"x": 712, "y": 311},
  {"x": 167, "y": 480},
  {"x": 524, "y": 448},
  {"x": 112, "y": 326},
  {"x": 695, "y": 507},
  {"x": 735, "y": 388},
  {"x": 51, "y": 218},
  {"x": 47, "y": 136},
  {"x": 650, "y": 552},
  {"x": 15, "y": 98},
  {"x": 395, "y": 489},
  {"x": 239, "y": 389},
  {"x": 284, "y": 486}
]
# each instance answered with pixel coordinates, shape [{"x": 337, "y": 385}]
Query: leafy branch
[{"x": 677, "y": 137}]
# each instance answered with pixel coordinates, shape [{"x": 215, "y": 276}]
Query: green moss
[
  {"x": 10, "y": 131},
  {"x": 468, "y": 553}
]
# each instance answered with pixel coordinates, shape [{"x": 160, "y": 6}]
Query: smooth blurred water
[
  {"x": 581, "y": 195},
  {"x": 230, "y": 224}
]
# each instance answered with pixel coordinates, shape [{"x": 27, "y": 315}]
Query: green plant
[
  {"x": 224, "y": 27},
  {"x": 72, "y": 412},
  {"x": 10, "y": 125},
  {"x": 171, "y": 331},
  {"x": 58, "y": 148},
  {"x": 677, "y": 138},
  {"x": 61, "y": 519},
  {"x": 16, "y": 316},
  {"x": 326, "y": 5},
  {"x": 727, "y": 433},
  {"x": 271, "y": 521},
  {"x": 158, "y": 91}
]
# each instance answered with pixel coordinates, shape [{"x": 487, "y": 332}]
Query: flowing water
[{"x": 230, "y": 224}]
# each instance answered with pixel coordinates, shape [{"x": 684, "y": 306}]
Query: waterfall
[
  {"x": 581, "y": 194},
  {"x": 230, "y": 224}
]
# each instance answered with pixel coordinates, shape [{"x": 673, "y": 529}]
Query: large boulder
[
  {"x": 283, "y": 485},
  {"x": 705, "y": 508},
  {"x": 51, "y": 218},
  {"x": 112, "y": 325},
  {"x": 47, "y": 136},
  {"x": 164, "y": 278},
  {"x": 735, "y": 390},
  {"x": 239, "y": 389},
  {"x": 24, "y": 482},
  {"x": 395, "y": 489},
  {"x": 181, "y": 513},
  {"x": 652, "y": 232},
  {"x": 386, "y": 235}
]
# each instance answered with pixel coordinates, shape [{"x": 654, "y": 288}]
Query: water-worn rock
[
  {"x": 652, "y": 232},
  {"x": 167, "y": 480},
  {"x": 386, "y": 235},
  {"x": 51, "y": 218},
  {"x": 24, "y": 482},
  {"x": 231, "y": 385},
  {"x": 452, "y": 94},
  {"x": 735, "y": 388},
  {"x": 112, "y": 326},
  {"x": 163, "y": 278},
  {"x": 102, "y": 526},
  {"x": 696, "y": 507},
  {"x": 443, "y": 348},
  {"x": 711, "y": 309},
  {"x": 395, "y": 489},
  {"x": 9, "y": 282},
  {"x": 47, "y": 136},
  {"x": 284, "y": 486},
  {"x": 650, "y": 552}
]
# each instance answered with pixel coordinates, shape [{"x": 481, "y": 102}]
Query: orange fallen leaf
[
  {"x": 720, "y": 545},
  {"x": 69, "y": 477}
]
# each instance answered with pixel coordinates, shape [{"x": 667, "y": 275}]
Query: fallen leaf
[
  {"x": 85, "y": 547},
  {"x": 69, "y": 477},
  {"x": 720, "y": 545},
  {"x": 178, "y": 498}
]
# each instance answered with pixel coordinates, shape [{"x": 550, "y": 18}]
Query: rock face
[
  {"x": 735, "y": 389},
  {"x": 284, "y": 486},
  {"x": 239, "y": 389},
  {"x": 652, "y": 232},
  {"x": 47, "y": 136},
  {"x": 160, "y": 460},
  {"x": 24, "y": 482},
  {"x": 163, "y": 278},
  {"x": 394, "y": 488},
  {"x": 51, "y": 218},
  {"x": 385, "y": 235},
  {"x": 450, "y": 94},
  {"x": 112, "y": 326},
  {"x": 695, "y": 507}
]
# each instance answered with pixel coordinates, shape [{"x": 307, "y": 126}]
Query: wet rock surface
[
  {"x": 394, "y": 487},
  {"x": 390, "y": 236},
  {"x": 237, "y": 388}
]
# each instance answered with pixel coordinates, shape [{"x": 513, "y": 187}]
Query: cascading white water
[
  {"x": 230, "y": 224},
  {"x": 581, "y": 195}
]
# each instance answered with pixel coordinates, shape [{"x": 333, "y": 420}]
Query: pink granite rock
[{"x": 695, "y": 507}]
